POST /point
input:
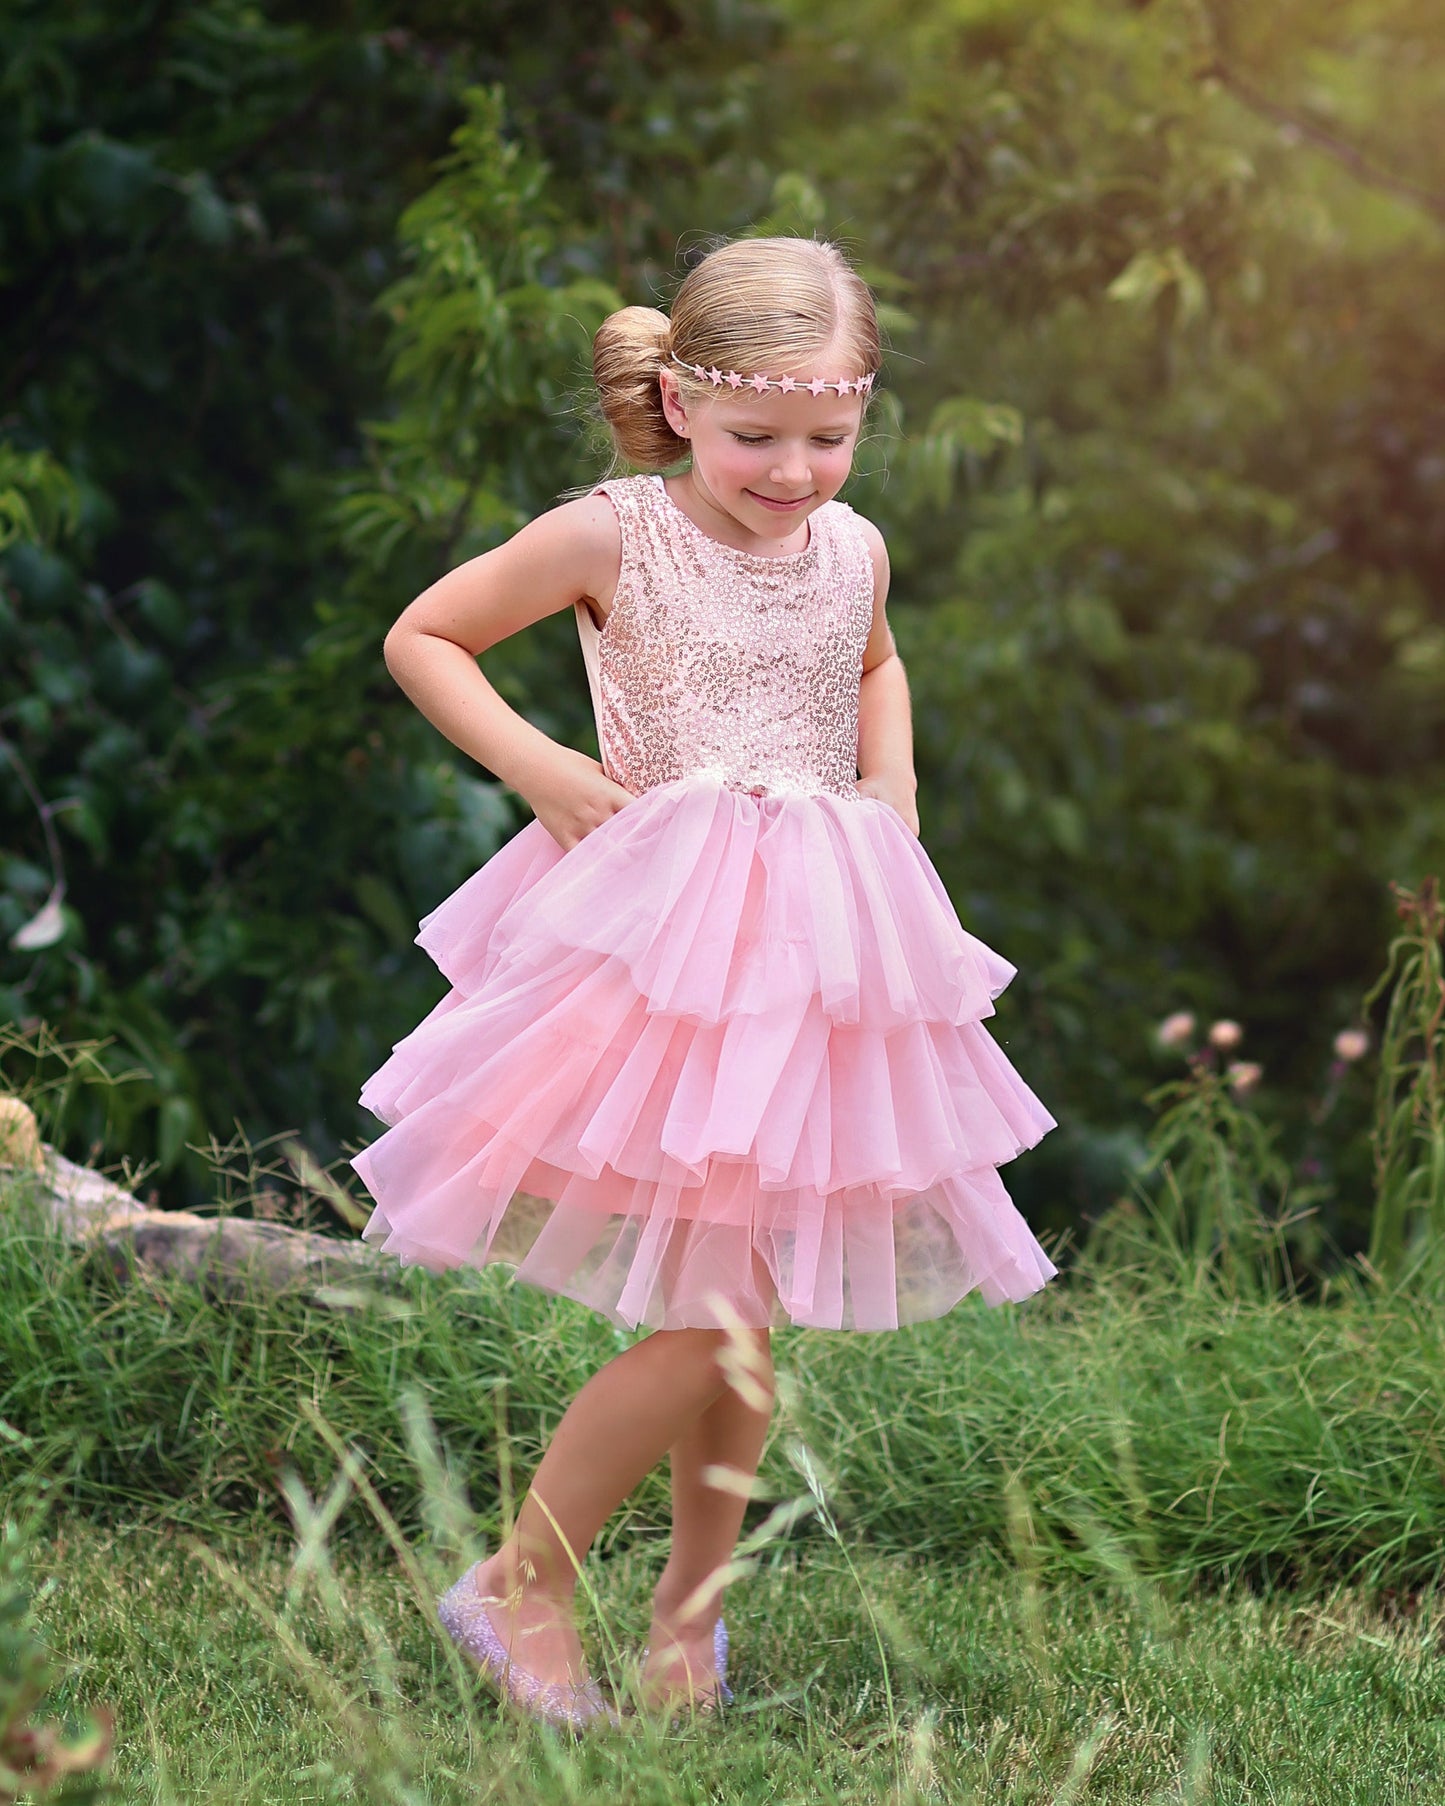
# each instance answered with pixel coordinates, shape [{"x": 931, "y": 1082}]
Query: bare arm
[
  {"x": 571, "y": 552},
  {"x": 885, "y": 720}
]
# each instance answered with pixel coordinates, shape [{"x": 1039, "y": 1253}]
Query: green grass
[
  {"x": 1155, "y": 1536},
  {"x": 234, "y": 1680},
  {"x": 1131, "y": 1542},
  {"x": 1209, "y": 1439}
]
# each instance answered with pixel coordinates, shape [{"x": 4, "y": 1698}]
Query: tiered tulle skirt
[{"x": 724, "y": 1059}]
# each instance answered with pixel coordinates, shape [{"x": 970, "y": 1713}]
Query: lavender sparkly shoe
[
  {"x": 720, "y": 1661},
  {"x": 708, "y": 1702},
  {"x": 464, "y": 1617}
]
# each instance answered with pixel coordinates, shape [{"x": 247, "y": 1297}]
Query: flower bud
[
  {"x": 1225, "y": 1033},
  {"x": 1174, "y": 1030},
  {"x": 1243, "y": 1076},
  {"x": 1351, "y": 1044}
]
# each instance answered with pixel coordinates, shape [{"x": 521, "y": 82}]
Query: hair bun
[
  {"x": 643, "y": 328},
  {"x": 628, "y": 349}
]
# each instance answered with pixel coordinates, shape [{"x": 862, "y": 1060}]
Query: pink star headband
[{"x": 785, "y": 385}]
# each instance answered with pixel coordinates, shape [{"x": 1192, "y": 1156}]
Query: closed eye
[{"x": 762, "y": 439}]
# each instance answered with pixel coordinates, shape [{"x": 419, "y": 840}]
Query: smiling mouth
[{"x": 769, "y": 501}]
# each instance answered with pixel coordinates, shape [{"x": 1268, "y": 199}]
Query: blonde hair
[{"x": 756, "y": 304}]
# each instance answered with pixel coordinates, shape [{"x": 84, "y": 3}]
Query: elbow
[
  {"x": 408, "y": 648},
  {"x": 393, "y": 649}
]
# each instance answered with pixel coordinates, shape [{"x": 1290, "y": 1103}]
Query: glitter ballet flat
[
  {"x": 464, "y": 1617},
  {"x": 708, "y": 1701}
]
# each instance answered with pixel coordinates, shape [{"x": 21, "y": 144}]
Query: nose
[{"x": 792, "y": 469}]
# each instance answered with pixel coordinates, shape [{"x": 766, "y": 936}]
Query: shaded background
[{"x": 296, "y": 304}]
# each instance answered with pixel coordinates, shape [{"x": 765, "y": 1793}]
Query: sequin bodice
[{"x": 721, "y": 663}]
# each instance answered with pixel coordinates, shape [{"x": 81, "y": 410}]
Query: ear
[{"x": 673, "y": 411}]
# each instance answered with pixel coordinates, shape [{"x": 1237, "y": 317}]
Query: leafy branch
[{"x": 1361, "y": 165}]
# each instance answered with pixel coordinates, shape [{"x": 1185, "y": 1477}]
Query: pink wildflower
[{"x": 1174, "y": 1030}]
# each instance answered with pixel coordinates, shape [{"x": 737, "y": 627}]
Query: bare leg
[
  {"x": 616, "y": 1430},
  {"x": 706, "y": 1520}
]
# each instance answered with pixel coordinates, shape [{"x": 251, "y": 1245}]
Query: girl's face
[{"x": 767, "y": 461}]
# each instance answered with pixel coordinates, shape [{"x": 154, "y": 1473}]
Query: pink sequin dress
[{"x": 726, "y": 1057}]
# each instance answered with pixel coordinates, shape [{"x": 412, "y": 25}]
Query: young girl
[{"x": 713, "y": 1056}]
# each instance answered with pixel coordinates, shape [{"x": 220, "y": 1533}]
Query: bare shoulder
[
  {"x": 592, "y": 518},
  {"x": 582, "y": 536},
  {"x": 572, "y": 553}
]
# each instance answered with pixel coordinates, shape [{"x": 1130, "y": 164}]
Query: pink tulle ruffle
[{"x": 728, "y": 1046}]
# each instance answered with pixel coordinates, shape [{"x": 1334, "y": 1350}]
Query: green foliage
[
  {"x": 1221, "y": 1201},
  {"x": 188, "y": 285},
  {"x": 1409, "y": 1131},
  {"x": 223, "y": 819},
  {"x": 85, "y": 1093},
  {"x": 482, "y": 350},
  {"x": 39, "y": 500},
  {"x": 1225, "y": 1186}
]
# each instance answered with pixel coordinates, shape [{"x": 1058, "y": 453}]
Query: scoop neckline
[{"x": 754, "y": 557}]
